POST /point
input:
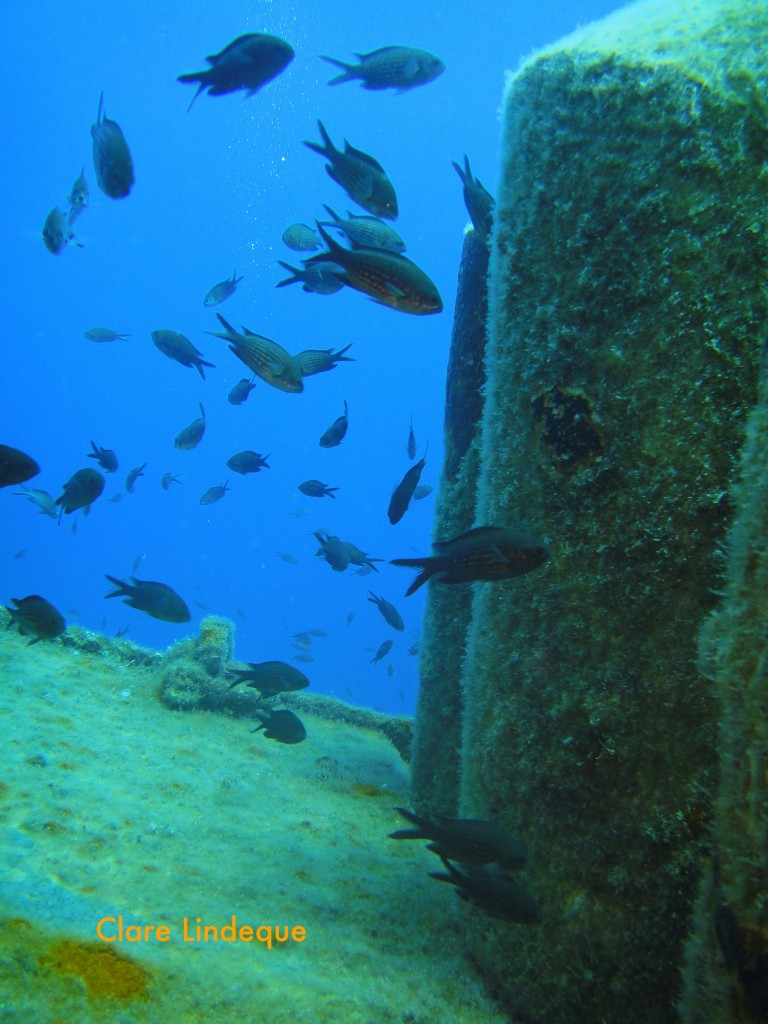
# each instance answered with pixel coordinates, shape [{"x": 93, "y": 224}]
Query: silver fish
[
  {"x": 365, "y": 232},
  {"x": 335, "y": 434},
  {"x": 42, "y": 499},
  {"x": 191, "y": 436},
  {"x": 179, "y": 348},
  {"x": 214, "y": 494},
  {"x": 57, "y": 232},
  {"x": 321, "y": 278},
  {"x": 320, "y": 360},
  {"x": 222, "y": 290},
  {"x": 391, "y": 67},
  {"x": 301, "y": 238},
  {"x": 78, "y": 197},
  {"x": 101, "y": 334}
]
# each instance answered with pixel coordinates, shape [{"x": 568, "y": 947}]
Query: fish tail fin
[
  {"x": 331, "y": 244},
  {"x": 332, "y": 214},
  {"x": 463, "y": 172},
  {"x": 121, "y": 589},
  {"x": 327, "y": 149},
  {"x": 201, "y": 363},
  {"x": 329, "y": 146},
  {"x": 424, "y": 564},
  {"x": 420, "y": 832},
  {"x": 227, "y": 326},
  {"x": 350, "y": 71},
  {"x": 340, "y": 357},
  {"x": 294, "y": 271}
]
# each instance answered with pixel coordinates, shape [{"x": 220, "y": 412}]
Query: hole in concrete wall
[{"x": 567, "y": 427}]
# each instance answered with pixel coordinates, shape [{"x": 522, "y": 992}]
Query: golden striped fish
[
  {"x": 263, "y": 357},
  {"x": 387, "y": 277}
]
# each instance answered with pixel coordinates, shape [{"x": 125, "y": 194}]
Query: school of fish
[{"x": 371, "y": 261}]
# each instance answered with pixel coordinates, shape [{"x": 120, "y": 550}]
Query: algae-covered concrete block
[
  {"x": 727, "y": 971},
  {"x": 436, "y": 762},
  {"x": 627, "y": 289}
]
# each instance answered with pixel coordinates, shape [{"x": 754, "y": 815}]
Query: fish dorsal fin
[
  {"x": 476, "y": 533},
  {"x": 365, "y": 158}
]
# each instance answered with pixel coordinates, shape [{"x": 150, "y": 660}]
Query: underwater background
[
  {"x": 215, "y": 189},
  {"x": 604, "y": 715}
]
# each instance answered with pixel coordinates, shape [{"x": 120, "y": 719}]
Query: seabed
[{"x": 113, "y": 806}]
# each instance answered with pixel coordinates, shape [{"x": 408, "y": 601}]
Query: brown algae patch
[{"x": 106, "y": 972}]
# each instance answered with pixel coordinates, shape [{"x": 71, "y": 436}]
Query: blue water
[{"x": 215, "y": 188}]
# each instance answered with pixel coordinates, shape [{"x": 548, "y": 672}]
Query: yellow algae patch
[{"x": 104, "y": 971}]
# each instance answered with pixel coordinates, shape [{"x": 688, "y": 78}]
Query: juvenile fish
[
  {"x": 214, "y": 494},
  {"x": 391, "y": 615},
  {"x": 57, "y": 232},
  {"x": 34, "y": 616},
  {"x": 168, "y": 479},
  {"x": 301, "y": 238},
  {"x": 362, "y": 178},
  {"x": 317, "y": 489},
  {"x": 320, "y": 360},
  {"x": 386, "y": 277},
  {"x": 111, "y": 157},
  {"x": 241, "y": 390},
  {"x": 42, "y": 499},
  {"x": 248, "y": 62},
  {"x": 78, "y": 198},
  {"x": 248, "y": 462},
  {"x": 222, "y": 290},
  {"x": 477, "y": 199},
  {"x": 365, "y": 232},
  {"x": 322, "y": 278},
  {"x": 101, "y": 334},
  {"x": 487, "y": 553},
  {"x": 81, "y": 490},
  {"x": 105, "y": 457},
  {"x": 390, "y": 67},
  {"x": 262, "y": 356},
  {"x": 179, "y": 348},
  {"x": 335, "y": 434},
  {"x": 156, "y": 599},
  {"x": 191, "y": 436},
  {"x": 133, "y": 476},
  {"x": 402, "y": 494},
  {"x": 411, "y": 446},
  {"x": 382, "y": 652},
  {"x": 287, "y": 557},
  {"x": 16, "y": 467}
]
